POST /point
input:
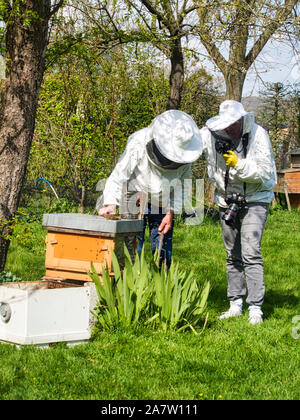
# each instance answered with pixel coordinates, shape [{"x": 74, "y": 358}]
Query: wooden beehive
[
  {"x": 74, "y": 241},
  {"x": 289, "y": 181},
  {"x": 295, "y": 159}
]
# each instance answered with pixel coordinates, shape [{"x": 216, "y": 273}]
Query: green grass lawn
[{"x": 230, "y": 360}]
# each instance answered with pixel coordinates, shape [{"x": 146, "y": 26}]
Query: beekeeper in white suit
[
  {"x": 156, "y": 161},
  {"x": 241, "y": 167}
]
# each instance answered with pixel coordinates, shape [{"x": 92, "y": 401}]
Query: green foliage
[
  {"x": 143, "y": 294},
  {"x": 7, "y": 277},
  {"x": 276, "y": 207},
  {"x": 89, "y": 105},
  {"x": 279, "y": 114},
  {"x": 63, "y": 205},
  {"x": 27, "y": 235},
  {"x": 12, "y": 12},
  {"x": 179, "y": 301},
  {"x": 200, "y": 97},
  {"x": 25, "y": 232}
]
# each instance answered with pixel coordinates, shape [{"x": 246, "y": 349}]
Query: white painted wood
[{"x": 40, "y": 315}]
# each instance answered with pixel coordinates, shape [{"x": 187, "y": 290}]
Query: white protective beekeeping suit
[
  {"x": 241, "y": 166},
  {"x": 178, "y": 139},
  {"x": 257, "y": 169}
]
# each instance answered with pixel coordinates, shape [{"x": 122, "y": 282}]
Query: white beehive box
[{"x": 44, "y": 312}]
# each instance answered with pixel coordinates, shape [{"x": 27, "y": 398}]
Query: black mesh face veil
[
  {"x": 223, "y": 140},
  {"x": 158, "y": 158}
]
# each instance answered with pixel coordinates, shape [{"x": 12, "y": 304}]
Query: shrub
[
  {"x": 7, "y": 277},
  {"x": 63, "y": 205},
  {"x": 28, "y": 234}
]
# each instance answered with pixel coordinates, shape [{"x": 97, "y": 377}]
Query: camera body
[
  {"x": 223, "y": 145},
  {"x": 234, "y": 201}
]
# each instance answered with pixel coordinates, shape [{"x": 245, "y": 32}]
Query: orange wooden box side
[
  {"x": 289, "y": 179},
  {"x": 70, "y": 255},
  {"x": 293, "y": 182}
]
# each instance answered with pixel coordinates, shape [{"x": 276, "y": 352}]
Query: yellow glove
[{"x": 230, "y": 158}]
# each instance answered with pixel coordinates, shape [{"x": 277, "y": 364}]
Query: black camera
[
  {"x": 235, "y": 202},
  {"x": 223, "y": 142},
  {"x": 223, "y": 145}
]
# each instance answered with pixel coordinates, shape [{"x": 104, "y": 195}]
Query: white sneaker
[
  {"x": 255, "y": 315},
  {"x": 235, "y": 310}
]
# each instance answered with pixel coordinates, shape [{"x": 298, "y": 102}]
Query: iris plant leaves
[{"x": 142, "y": 293}]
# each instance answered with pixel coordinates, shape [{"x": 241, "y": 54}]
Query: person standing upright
[{"x": 241, "y": 167}]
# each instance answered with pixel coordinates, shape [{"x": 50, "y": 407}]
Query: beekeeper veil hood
[
  {"x": 174, "y": 140},
  {"x": 230, "y": 112},
  {"x": 231, "y": 123}
]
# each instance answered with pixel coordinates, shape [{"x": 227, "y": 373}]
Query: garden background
[{"x": 78, "y": 78}]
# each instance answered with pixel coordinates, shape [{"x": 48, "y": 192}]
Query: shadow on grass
[
  {"x": 274, "y": 299},
  {"x": 218, "y": 301}
]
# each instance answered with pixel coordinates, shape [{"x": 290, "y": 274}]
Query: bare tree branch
[
  {"x": 281, "y": 16},
  {"x": 57, "y": 5}
]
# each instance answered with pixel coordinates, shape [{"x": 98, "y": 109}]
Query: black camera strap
[{"x": 245, "y": 141}]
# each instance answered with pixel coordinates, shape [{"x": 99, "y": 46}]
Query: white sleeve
[
  {"x": 121, "y": 174},
  {"x": 210, "y": 155},
  {"x": 258, "y": 166}
]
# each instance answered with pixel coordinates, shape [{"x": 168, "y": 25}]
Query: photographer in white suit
[{"x": 241, "y": 167}]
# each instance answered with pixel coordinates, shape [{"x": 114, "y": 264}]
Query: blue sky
[{"x": 276, "y": 63}]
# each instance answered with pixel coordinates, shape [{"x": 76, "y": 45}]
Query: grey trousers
[{"x": 244, "y": 261}]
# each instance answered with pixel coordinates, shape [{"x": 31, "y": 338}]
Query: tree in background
[
  {"x": 89, "y": 105},
  {"x": 201, "y": 95},
  {"x": 291, "y": 106},
  {"x": 273, "y": 115},
  {"x": 167, "y": 23},
  {"x": 235, "y": 32},
  {"x": 25, "y": 38},
  {"x": 162, "y": 24},
  {"x": 279, "y": 114}
]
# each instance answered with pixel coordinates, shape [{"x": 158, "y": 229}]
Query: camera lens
[{"x": 230, "y": 214}]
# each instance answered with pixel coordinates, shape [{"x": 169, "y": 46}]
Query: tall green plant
[
  {"x": 178, "y": 298},
  {"x": 123, "y": 299},
  {"x": 144, "y": 294}
]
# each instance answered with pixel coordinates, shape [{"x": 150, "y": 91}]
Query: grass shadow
[{"x": 275, "y": 299}]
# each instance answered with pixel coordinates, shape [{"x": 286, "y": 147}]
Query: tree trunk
[
  {"x": 82, "y": 198},
  {"x": 177, "y": 75},
  {"x": 26, "y": 43},
  {"x": 234, "y": 81}
]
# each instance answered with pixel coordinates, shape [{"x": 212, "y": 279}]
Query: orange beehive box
[
  {"x": 289, "y": 184},
  {"x": 70, "y": 255},
  {"x": 73, "y": 242}
]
